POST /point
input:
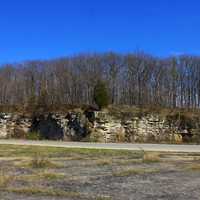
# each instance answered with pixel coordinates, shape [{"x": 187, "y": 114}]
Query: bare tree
[{"x": 133, "y": 79}]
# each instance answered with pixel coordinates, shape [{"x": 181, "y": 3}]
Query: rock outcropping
[
  {"x": 149, "y": 128},
  {"x": 101, "y": 127}
]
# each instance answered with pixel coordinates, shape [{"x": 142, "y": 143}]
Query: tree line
[{"x": 132, "y": 79}]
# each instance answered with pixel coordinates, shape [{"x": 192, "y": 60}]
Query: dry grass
[
  {"x": 43, "y": 192},
  {"x": 127, "y": 162},
  {"x": 131, "y": 172},
  {"x": 149, "y": 157},
  {"x": 196, "y": 158},
  {"x": 52, "y": 176},
  {"x": 53, "y": 193},
  {"x": 103, "y": 162},
  {"x": 103, "y": 198},
  {"x": 194, "y": 167},
  {"x": 5, "y": 180},
  {"x": 42, "y": 176},
  {"x": 39, "y": 161},
  {"x": 35, "y": 175}
]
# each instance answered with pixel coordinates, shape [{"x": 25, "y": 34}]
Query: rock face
[
  {"x": 47, "y": 126},
  {"x": 149, "y": 128},
  {"x": 71, "y": 126},
  {"x": 13, "y": 124},
  {"x": 101, "y": 127}
]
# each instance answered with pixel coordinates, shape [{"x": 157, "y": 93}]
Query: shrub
[
  {"x": 196, "y": 139},
  {"x": 120, "y": 136},
  {"x": 101, "y": 96},
  {"x": 39, "y": 161},
  {"x": 33, "y": 136},
  {"x": 18, "y": 133},
  {"x": 96, "y": 136}
]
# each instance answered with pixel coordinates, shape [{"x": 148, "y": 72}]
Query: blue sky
[{"x": 43, "y": 29}]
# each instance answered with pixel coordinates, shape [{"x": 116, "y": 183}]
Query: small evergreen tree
[{"x": 101, "y": 96}]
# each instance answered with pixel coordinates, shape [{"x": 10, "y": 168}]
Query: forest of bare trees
[{"x": 132, "y": 79}]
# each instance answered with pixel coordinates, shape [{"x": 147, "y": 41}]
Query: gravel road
[{"x": 123, "y": 146}]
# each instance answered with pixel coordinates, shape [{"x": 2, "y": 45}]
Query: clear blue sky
[{"x": 42, "y": 29}]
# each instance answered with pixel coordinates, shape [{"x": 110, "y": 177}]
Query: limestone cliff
[{"x": 102, "y": 126}]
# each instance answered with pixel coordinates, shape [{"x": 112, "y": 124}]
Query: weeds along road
[{"x": 112, "y": 146}]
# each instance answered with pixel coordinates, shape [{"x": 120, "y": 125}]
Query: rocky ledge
[{"x": 101, "y": 126}]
